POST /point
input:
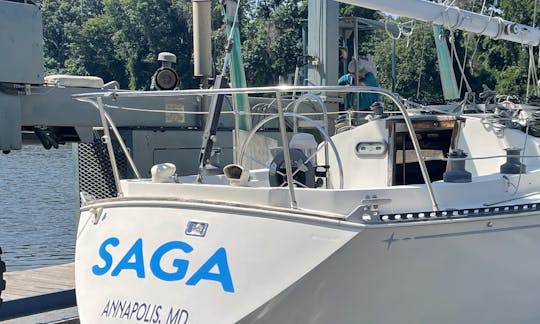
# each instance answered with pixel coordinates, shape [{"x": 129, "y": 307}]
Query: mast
[{"x": 454, "y": 18}]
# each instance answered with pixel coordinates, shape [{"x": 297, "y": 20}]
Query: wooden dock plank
[
  {"x": 28, "y": 283},
  {"x": 39, "y": 295},
  {"x": 63, "y": 316}
]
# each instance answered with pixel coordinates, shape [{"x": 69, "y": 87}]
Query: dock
[{"x": 42, "y": 295}]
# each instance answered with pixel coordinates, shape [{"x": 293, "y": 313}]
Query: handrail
[
  {"x": 470, "y": 158},
  {"x": 278, "y": 90},
  {"x": 117, "y": 135},
  {"x": 108, "y": 142},
  {"x": 254, "y": 90},
  {"x": 416, "y": 146},
  {"x": 123, "y": 145},
  {"x": 286, "y": 152}
]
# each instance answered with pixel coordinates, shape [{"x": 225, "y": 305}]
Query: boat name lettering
[
  {"x": 143, "y": 312},
  {"x": 216, "y": 268}
]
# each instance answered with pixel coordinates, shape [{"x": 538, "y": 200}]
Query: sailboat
[{"x": 405, "y": 218}]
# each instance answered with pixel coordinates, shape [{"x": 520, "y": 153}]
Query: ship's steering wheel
[{"x": 328, "y": 141}]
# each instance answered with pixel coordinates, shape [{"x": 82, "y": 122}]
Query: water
[{"x": 38, "y": 207}]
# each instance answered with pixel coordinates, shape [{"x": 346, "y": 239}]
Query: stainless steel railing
[{"x": 96, "y": 100}]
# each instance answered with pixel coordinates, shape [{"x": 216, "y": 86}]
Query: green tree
[
  {"x": 62, "y": 20},
  {"x": 499, "y": 64},
  {"x": 272, "y": 42},
  {"x": 417, "y": 74},
  {"x": 97, "y": 50},
  {"x": 117, "y": 40},
  {"x": 120, "y": 40},
  {"x": 145, "y": 28}
]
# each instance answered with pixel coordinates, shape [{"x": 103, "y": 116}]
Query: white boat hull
[
  {"x": 274, "y": 267},
  {"x": 447, "y": 273},
  {"x": 263, "y": 255}
]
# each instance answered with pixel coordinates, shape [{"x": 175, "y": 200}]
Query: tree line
[{"x": 120, "y": 39}]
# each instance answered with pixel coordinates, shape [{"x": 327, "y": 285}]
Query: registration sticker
[{"x": 196, "y": 228}]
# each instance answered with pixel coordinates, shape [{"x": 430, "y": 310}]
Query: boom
[{"x": 454, "y": 18}]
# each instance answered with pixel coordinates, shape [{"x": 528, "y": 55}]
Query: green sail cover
[
  {"x": 446, "y": 69},
  {"x": 238, "y": 76}
]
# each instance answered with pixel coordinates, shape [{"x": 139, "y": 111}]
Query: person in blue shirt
[{"x": 365, "y": 78}]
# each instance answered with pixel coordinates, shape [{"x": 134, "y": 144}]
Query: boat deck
[{"x": 45, "y": 294}]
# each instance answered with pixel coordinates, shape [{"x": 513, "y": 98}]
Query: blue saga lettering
[{"x": 134, "y": 260}]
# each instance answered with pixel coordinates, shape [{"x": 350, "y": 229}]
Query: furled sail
[{"x": 454, "y": 18}]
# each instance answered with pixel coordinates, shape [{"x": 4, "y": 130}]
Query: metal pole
[
  {"x": 393, "y": 65},
  {"x": 403, "y": 159},
  {"x": 304, "y": 56},
  {"x": 108, "y": 142},
  {"x": 286, "y": 153},
  {"x": 417, "y": 150},
  {"x": 123, "y": 146},
  {"x": 202, "y": 44},
  {"x": 357, "y": 94}
]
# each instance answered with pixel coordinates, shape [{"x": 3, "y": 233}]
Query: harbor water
[{"x": 38, "y": 207}]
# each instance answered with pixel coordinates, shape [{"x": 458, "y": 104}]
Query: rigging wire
[
  {"x": 531, "y": 73},
  {"x": 522, "y": 156},
  {"x": 532, "y": 77},
  {"x": 467, "y": 41},
  {"x": 464, "y": 63},
  {"x": 534, "y": 14},
  {"x": 461, "y": 69},
  {"x": 538, "y": 58},
  {"x": 471, "y": 59},
  {"x": 421, "y": 65},
  {"x": 534, "y": 26}
]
